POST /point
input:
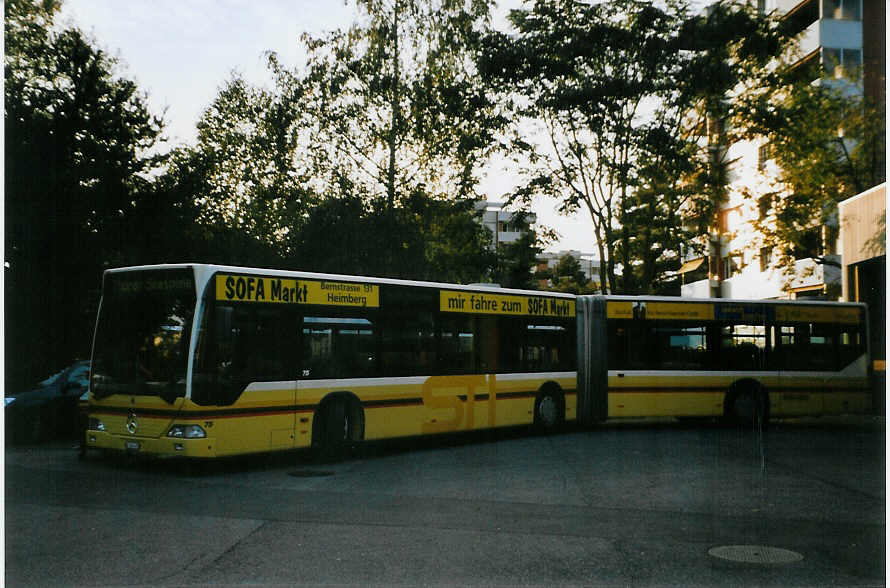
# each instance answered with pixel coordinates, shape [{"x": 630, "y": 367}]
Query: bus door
[
  {"x": 846, "y": 387},
  {"x": 250, "y": 368},
  {"x": 802, "y": 357}
]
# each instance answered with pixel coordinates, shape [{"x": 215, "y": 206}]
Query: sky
[{"x": 180, "y": 52}]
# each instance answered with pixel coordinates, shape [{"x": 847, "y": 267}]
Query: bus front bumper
[{"x": 162, "y": 446}]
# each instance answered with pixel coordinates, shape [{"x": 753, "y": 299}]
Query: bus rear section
[
  {"x": 748, "y": 360},
  {"x": 139, "y": 367}
]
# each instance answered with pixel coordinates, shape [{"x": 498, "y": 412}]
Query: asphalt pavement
[{"x": 639, "y": 503}]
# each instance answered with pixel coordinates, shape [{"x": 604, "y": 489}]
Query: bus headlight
[
  {"x": 186, "y": 432},
  {"x": 96, "y": 425}
]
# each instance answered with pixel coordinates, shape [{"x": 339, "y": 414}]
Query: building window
[
  {"x": 765, "y": 205},
  {"x": 763, "y": 155},
  {"x": 732, "y": 266},
  {"x": 809, "y": 245},
  {"x": 842, "y": 63},
  {"x": 766, "y": 258},
  {"x": 841, "y": 9}
]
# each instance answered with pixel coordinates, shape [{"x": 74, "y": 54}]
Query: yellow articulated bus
[
  {"x": 205, "y": 361},
  {"x": 748, "y": 360}
]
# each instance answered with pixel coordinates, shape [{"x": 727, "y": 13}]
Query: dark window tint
[
  {"x": 817, "y": 346},
  {"x": 742, "y": 347},
  {"x": 456, "y": 344},
  {"x": 548, "y": 347},
  {"x": 658, "y": 345},
  {"x": 142, "y": 338},
  {"x": 338, "y": 347},
  {"x": 244, "y": 343}
]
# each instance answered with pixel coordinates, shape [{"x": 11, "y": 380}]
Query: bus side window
[
  {"x": 642, "y": 348},
  {"x": 334, "y": 347},
  {"x": 486, "y": 344},
  {"x": 244, "y": 344},
  {"x": 617, "y": 344},
  {"x": 807, "y": 346},
  {"x": 681, "y": 346},
  {"x": 742, "y": 347},
  {"x": 455, "y": 344},
  {"x": 407, "y": 344},
  {"x": 850, "y": 345},
  {"x": 549, "y": 347},
  {"x": 511, "y": 331}
]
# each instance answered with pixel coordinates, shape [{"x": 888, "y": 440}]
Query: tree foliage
[
  {"x": 396, "y": 102},
  {"x": 76, "y": 172},
  {"x": 368, "y": 159},
  {"x": 568, "y": 276},
  {"x": 828, "y": 143},
  {"x": 612, "y": 86},
  {"x": 397, "y": 109},
  {"x": 361, "y": 163}
]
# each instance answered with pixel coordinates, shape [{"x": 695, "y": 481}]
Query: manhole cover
[
  {"x": 310, "y": 474},
  {"x": 757, "y": 554}
]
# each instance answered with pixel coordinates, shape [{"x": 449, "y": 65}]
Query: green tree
[
  {"x": 584, "y": 72},
  {"x": 395, "y": 107},
  {"x": 250, "y": 181},
  {"x": 828, "y": 143},
  {"x": 722, "y": 62},
  {"x": 516, "y": 260},
  {"x": 75, "y": 162},
  {"x": 454, "y": 244},
  {"x": 614, "y": 88},
  {"x": 568, "y": 276}
]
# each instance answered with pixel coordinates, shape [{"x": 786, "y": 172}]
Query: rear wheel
[
  {"x": 748, "y": 406},
  {"x": 549, "y": 410}
]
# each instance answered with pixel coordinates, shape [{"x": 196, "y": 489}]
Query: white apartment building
[
  {"x": 501, "y": 223},
  {"x": 738, "y": 264},
  {"x": 590, "y": 265}
]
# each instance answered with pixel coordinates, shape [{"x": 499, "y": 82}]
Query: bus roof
[
  {"x": 677, "y": 299},
  {"x": 204, "y": 271}
]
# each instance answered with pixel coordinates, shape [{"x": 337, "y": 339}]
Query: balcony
[
  {"x": 798, "y": 15},
  {"x": 701, "y": 289},
  {"x": 811, "y": 275}
]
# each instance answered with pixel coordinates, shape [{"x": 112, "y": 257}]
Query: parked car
[{"x": 51, "y": 409}]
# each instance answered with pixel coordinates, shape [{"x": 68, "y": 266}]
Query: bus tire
[
  {"x": 747, "y": 405},
  {"x": 550, "y": 411},
  {"x": 337, "y": 426}
]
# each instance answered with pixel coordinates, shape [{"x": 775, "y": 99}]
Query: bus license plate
[{"x": 132, "y": 445}]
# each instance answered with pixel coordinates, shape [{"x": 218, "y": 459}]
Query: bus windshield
[{"x": 143, "y": 333}]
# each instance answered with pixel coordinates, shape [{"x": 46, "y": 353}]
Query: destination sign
[
  {"x": 749, "y": 313},
  {"x": 293, "y": 291},
  {"x": 793, "y": 313},
  {"x": 659, "y": 310},
  {"x": 485, "y": 303}
]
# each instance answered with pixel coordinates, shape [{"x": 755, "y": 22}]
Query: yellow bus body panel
[
  {"x": 689, "y": 394},
  {"x": 279, "y": 415}
]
